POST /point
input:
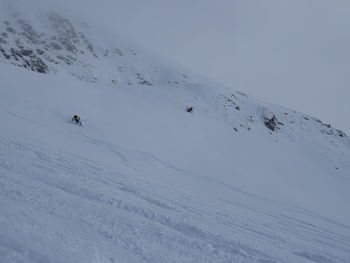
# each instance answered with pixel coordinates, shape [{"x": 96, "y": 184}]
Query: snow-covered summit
[{"x": 47, "y": 42}]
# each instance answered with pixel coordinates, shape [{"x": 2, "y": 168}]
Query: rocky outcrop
[
  {"x": 51, "y": 43},
  {"x": 273, "y": 123}
]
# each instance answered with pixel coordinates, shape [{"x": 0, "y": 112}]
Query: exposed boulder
[
  {"x": 189, "y": 109},
  {"x": 272, "y": 123}
]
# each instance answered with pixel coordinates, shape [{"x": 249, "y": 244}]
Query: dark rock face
[
  {"x": 29, "y": 32},
  {"x": 28, "y": 48},
  {"x": 40, "y": 52},
  {"x": 4, "y": 53},
  {"x": 51, "y": 43},
  {"x": 66, "y": 33},
  {"x": 189, "y": 109},
  {"x": 341, "y": 133},
  {"x": 39, "y": 65},
  {"x": 272, "y": 123},
  {"x": 26, "y": 52},
  {"x": 23, "y": 45},
  {"x": 142, "y": 80},
  {"x": 26, "y": 59}
]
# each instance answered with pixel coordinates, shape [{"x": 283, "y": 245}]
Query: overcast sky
[{"x": 290, "y": 52}]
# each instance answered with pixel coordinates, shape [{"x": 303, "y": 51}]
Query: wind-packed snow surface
[{"x": 144, "y": 180}]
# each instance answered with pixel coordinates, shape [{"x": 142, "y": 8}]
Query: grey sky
[{"x": 290, "y": 52}]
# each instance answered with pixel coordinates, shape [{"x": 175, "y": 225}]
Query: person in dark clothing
[{"x": 76, "y": 118}]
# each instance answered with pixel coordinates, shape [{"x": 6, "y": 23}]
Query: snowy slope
[{"x": 146, "y": 181}]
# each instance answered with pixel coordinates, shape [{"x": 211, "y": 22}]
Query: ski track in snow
[
  {"x": 20, "y": 117},
  {"x": 117, "y": 150},
  {"x": 113, "y": 207},
  {"x": 144, "y": 180},
  {"x": 126, "y": 212}
]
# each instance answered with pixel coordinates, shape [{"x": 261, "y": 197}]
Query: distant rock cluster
[
  {"x": 242, "y": 113},
  {"x": 57, "y": 45},
  {"x": 23, "y": 46}
]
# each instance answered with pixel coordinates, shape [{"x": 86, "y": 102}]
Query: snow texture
[{"x": 144, "y": 180}]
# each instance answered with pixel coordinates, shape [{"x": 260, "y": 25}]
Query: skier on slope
[{"x": 76, "y": 118}]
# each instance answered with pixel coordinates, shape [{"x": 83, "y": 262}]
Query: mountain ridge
[
  {"x": 48, "y": 43},
  {"x": 70, "y": 50}
]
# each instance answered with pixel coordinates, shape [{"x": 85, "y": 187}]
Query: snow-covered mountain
[
  {"x": 180, "y": 171},
  {"x": 49, "y": 43}
]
